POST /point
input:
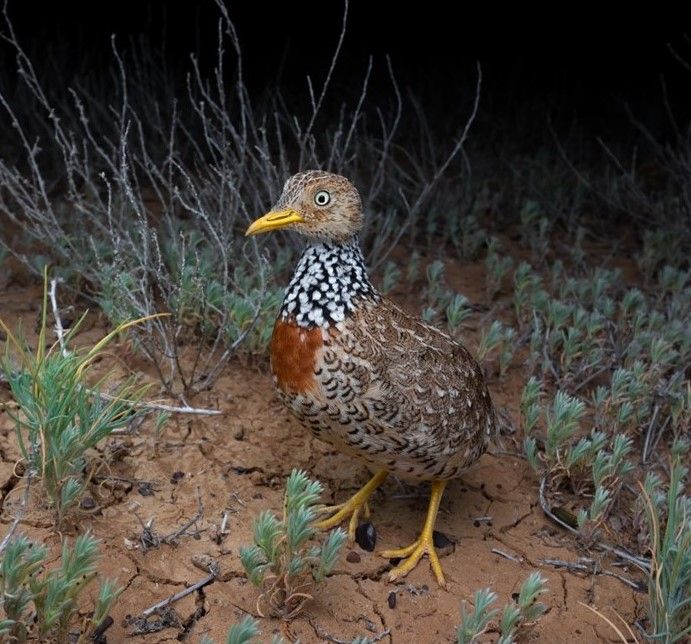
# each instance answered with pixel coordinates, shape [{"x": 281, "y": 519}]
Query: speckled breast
[
  {"x": 321, "y": 384},
  {"x": 369, "y": 379}
]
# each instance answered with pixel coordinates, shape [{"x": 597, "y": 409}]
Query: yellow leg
[
  {"x": 424, "y": 544},
  {"x": 352, "y": 507}
]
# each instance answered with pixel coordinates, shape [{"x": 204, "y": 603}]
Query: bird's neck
[{"x": 329, "y": 283}]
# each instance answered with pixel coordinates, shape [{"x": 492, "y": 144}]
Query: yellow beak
[{"x": 274, "y": 220}]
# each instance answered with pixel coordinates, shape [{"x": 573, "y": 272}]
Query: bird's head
[{"x": 317, "y": 204}]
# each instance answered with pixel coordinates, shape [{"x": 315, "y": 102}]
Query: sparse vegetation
[
  {"x": 280, "y": 561},
  {"x": 60, "y": 414},
  {"x": 668, "y": 517},
  {"x": 516, "y": 617},
  {"x": 243, "y": 632},
  {"x": 44, "y": 603}
]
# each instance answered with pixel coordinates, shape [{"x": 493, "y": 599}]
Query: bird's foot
[
  {"x": 340, "y": 513},
  {"x": 351, "y": 508},
  {"x": 412, "y": 555},
  {"x": 424, "y": 544}
]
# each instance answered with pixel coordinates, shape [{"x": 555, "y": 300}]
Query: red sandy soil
[{"x": 239, "y": 461}]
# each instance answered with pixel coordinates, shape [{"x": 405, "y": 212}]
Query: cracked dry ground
[{"x": 239, "y": 461}]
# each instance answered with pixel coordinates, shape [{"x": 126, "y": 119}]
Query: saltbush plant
[
  {"x": 515, "y": 617},
  {"x": 43, "y": 603},
  {"x": 281, "y": 562},
  {"x": 596, "y": 464}
]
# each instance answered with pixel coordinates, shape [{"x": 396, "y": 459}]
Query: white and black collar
[{"x": 329, "y": 282}]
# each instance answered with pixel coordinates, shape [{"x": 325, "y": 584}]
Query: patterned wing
[{"x": 413, "y": 392}]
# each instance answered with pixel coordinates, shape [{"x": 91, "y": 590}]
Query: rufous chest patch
[{"x": 294, "y": 352}]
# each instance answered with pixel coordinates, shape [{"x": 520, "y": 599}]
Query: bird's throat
[{"x": 329, "y": 283}]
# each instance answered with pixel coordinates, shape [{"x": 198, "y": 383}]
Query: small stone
[
  {"x": 257, "y": 478},
  {"x": 145, "y": 488},
  {"x": 203, "y": 561},
  {"x": 366, "y": 536},
  {"x": 239, "y": 433},
  {"x": 353, "y": 557},
  {"x": 177, "y": 476},
  {"x": 87, "y": 503},
  {"x": 130, "y": 544},
  {"x": 442, "y": 544},
  {"x": 391, "y": 599}
]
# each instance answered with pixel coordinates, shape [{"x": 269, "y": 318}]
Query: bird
[{"x": 373, "y": 381}]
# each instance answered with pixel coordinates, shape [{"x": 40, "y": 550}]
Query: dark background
[{"x": 584, "y": 60}]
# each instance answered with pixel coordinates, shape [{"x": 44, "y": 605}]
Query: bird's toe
[{"x": 411, "y": 556}]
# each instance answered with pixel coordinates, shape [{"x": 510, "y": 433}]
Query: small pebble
[
  {"x": 440, "y": 540},
  {"x": 203, "y": 561},
  {"x": 145, "y": 488},
  {"x": 87, "y": 503},
  {"x": 366, "y": 536},
  {"x": 239, "y": 433},
  {"x": 353, "y": 557},
  {"x": 442, "y": 544},
  {"x": 176, "y": 476},
  {"x": 392, "y": 600}
]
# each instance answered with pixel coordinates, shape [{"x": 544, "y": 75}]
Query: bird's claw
[
  {"x": 412, "y": 555},
  {"x": 351, "y": 508},
  {"x": 340, "y": 513}
]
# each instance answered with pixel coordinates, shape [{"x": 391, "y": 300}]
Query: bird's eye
[{"x": 322, "y": 198}]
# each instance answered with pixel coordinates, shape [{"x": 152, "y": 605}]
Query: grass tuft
[{"x": 60, "y": 414}]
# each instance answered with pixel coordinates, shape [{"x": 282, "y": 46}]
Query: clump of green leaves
[
  {"x": 60, "y": 416},
  {"x": 44, "y": 604},
  {"x": 497, "y": 267},
  {"x": 669, "y": 582},
  {"x": 515, "y": 617},
  {"x": 437, "y": 294},
  {"x": 595, "y": 464},
  {"x": 280, "y": 561},
  {"x": 500, "y": 339},
  {"x": 467, "y": 236},
  {"x": 244, "y": 632},
  {"x": 526, "y": 286},
  {"x": 457, "y": 310},
  {"x": 660, "y": 247},
  {"x": 413, "y": 268},
  {"x": 535, "y": 229},
  {"x": 214, "y": 310}
]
